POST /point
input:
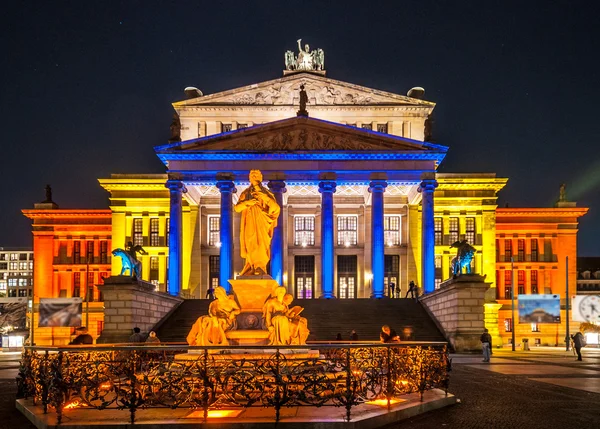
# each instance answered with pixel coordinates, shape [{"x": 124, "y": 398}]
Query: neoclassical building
[{"x": 362, "y": 203}]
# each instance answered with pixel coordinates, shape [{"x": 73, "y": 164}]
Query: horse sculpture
[
  {"x": 463, "y": 258},
  {"x": 128, "y": 263}
]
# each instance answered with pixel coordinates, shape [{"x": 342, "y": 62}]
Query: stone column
[
  {"x": 227, "y": 188},
  {"x": 176, "y": 188},
  {"x": 327, "y": 189},
  {"x": 278, "y": 188},
  {"x": 427, "y": 188},
  {"x": 377, "y": 188}
]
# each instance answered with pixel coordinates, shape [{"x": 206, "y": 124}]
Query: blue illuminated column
[
  {"x": 227, "y": 188},
  {"x": 176, "y": 188},
  {"x": 278, "y": 189},
  {"x": 377, "y": 188},
  {"x": 327, "y": 189},
  {"x": 427, "y": 189}
]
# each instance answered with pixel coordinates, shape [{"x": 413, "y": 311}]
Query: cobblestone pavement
[{"x": 488, "y": 399}]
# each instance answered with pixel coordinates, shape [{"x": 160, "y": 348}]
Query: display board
[
  {"x": 539, "y": 308},
  {"x": 60, "y": 312}
]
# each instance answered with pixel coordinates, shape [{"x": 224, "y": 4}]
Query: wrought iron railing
[{"x": 137, "y": 377}]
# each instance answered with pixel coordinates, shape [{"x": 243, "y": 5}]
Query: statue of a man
[
  {"x": 259, "y": 218},
  {"x": 134, "y": 250},
  {"x": 562, "y": 195},
  {"x": 305, "y": 60}
]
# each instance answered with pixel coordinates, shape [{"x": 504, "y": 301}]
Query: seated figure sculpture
[
  {"x": 276, "y": 319},
  {"x": 210, "y": 330},
  {"x": 298, "y": 325}
]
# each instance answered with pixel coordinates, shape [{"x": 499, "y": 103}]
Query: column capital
[
  {"x": 377, "y": 185},
  {"x": 428, "y": 185},
  {"x": 175, "y": 185},
  {"x": 277, "y": 186},
  {"x": 226, "y": 186},
  {"x": 327, "y": 186}
]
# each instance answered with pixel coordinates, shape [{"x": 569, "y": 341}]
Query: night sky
[{"x": 86, "y": 87}]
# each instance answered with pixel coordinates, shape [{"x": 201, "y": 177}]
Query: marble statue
[
  {"x": 303, "y": 100},
  {"x": 175, "y": 128},
  {"x": 210, "y": 330},
  {"x": 298, "y": 325},
  {"x": 305, "y": 58},
  {"x": 276, "y": 319},
  {"x": 259, "y": 218},
  {"x": 290, "y": 60},
  {"x": 562, "y": 195},
  {"x": 463, "y": 258}
]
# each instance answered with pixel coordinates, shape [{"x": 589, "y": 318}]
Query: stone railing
[{"x": 133, "y": 378}]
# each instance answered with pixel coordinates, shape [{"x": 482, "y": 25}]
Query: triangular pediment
[
  {"x": 321, "y": 91},
  {"x": 301, "y": 134}
]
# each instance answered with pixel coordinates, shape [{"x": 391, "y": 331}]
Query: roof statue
[
  {"x": 175, "y": 128},
  {"x": 48, "y": 194},
  {"x": 303, "y": 101},
  {"x": 562, "y": 195},
  {"x": 463, "y": 258},
  {"x": 306, "y": 60}
]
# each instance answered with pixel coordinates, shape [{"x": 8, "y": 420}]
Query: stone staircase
[{"x": 327, "y": 318}]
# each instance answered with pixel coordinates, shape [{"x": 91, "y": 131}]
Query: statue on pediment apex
[
  {"x": 562, "y": 195},
  {"x": 306, "y": 60}
]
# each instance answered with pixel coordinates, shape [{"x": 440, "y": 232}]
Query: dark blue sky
[{"x": 86, "y": 86}]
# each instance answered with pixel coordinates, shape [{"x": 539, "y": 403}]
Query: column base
[{"x": 327, "y": 297}]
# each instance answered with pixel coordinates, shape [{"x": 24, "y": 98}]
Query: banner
[
  {"x": 13, "y": 314},
  {"x": 60, "y": 312},
  {"x": 539, "y": 308},
  {"x": 585, "y": 308}
]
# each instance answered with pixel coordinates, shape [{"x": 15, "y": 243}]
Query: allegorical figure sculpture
[
  {"x": 303, "y": 101},
  {"x": 562, "y": 194},
  {"x": 129, "y": 260},
  {"x": 306, "y": 60},
  {"x": 175, "y": 129},
  {"x": 210, "y": 330},
  {"x": 259, "y": 218},
  {"x": 463, "y": 258},
  {"x": 298, "y": 325},
  {"x": 276, "y": 318}
]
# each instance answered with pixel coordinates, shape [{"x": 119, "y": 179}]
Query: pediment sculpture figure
[{"x": 259, "y": 211}]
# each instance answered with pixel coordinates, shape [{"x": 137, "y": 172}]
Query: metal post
[
  {"x": 512, "y": 296},
  {"x": 567, "y": 301},
  {"x": 87, "y": 291}
]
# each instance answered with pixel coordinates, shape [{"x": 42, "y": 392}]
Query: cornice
[
  {"x": 65, "y": 213},
  {"x": 542, "y": 211},
  {"x": 294, "y": 156}
]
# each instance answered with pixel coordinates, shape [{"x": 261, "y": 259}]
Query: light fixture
[
  {"x": 390, "y": 243},
  {"x": 214, "y": 414},
  {"x": 218, "y": 244},
  {"x": 384, "y": 402},
  {"x": 347, "y": 244},
  {"x": 369, "y": 276}
]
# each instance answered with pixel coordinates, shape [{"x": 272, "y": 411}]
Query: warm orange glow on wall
[
  {"x": 384, "y": 402},
  {"x": 214, "y": 414}
]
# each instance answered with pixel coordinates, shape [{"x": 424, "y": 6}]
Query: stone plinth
[
  {"x": 241, "y": 353},
  {"x": 251, "y": 292},
  {"x": 248, "y": 337},
  {"x": 458, "y": 306},
  {"x": 129, "y": 303}
]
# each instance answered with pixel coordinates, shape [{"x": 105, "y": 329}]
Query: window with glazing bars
[
  {"x": 214, "y": 230},
  {"x": 534, "y": 281},
  {"x": 77, "y": 252},
  {"x": 391, "y": 228},
  {"x": 76, "y": 284},
  {"x": 438, "y": 271},
  {"x": 304, "y": 269},
  {"x": 304, "y": 231},
  {"x": 470, "y": 230},
  {"x": 453, "y": 230},
  {"x": 507, "y": 250},
  {"x": 213, "y": 270},
  {"x": 89, "y": 256},
  {"x": 521, "y": 282},
  {"x": 382, "y": 128},
  {"x": 438, "y": 229},
  {"x": 167, "y": 230},
  {"x": 534, "y": 250},
  {"x": 497, "y": 250},
  {"x": 347, "y": 230},
  {"x": 507, "y": 284},
  {"x": 104, "y": 252},
  {"x": 154, "y": 268},
  {"x": 137, "y": 236},
  {"x": 154, "y": 232},
  {"x": 520, "y": 250}
]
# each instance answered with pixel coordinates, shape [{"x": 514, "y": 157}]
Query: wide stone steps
[{"x": 327, "y": 318}]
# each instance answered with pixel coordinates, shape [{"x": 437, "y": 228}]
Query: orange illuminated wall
[
  {"x": 71, "y": 250},
  {"x": 539, "y": 241}
]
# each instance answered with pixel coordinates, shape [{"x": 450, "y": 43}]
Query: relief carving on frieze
[{"x": 301, "y": 140}]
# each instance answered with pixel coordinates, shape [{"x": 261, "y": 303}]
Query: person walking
[
  {"x": 578, "y": 343},
  {"x": 486, "y": 344},
  {"x": 136, "y": 337},
  {"x": 412, "y": 288}
]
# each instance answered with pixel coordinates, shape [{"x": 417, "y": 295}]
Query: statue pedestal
[{"x": 251, "y": 292}]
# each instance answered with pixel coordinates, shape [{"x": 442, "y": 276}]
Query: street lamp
[{"x": 512, "y": 296}]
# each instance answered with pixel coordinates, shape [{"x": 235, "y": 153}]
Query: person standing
[
  {"x": 136, "y": 337},
  {"x": 486, "y": 344},
  {"x": 353, "y": 336},
  {"x": 210, "y": 293},
  {"x": 152, "y": 338},
  {"x": 388, "y": 335},
  {"x": 578, "y": 343},
  {"x": 411, "y": 289},
  {"x": 83, "y": 337},
  {"x": 392, "y": 289}
]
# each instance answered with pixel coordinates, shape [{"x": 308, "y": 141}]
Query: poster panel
[
  {"x": 13, "y": 314},
  {"x": 539, "y": 309},
  {"x": 585, "y": 308},
  {"x": 60, "y": 312}
]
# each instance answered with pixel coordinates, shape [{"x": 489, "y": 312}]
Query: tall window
[
  {"x": 382, "y": 128},
  {"x": 167, "y": 230},
  {"x": 214, "y": 230},
  {"x": 304, "y": 231},
  {"x": 534, "y": 281},
  {"x": 497, "y": 250},
  {"x": 507, "y": 325},
  {"x": 76, "y": 284},
  {"x": 470, "y": 230},
  {"x": 304, "y": 270},
  {"x": 391, "y": 230},
  {"x": 347, "y": 276},
  {"x": 77, "y": 252},
  {"x": 507, "y": 284},
  {"x": 438, "y": 228},
  {"x": 104, "y": 252},
  {"x": 520, "y": 250},
  {"x": 154, "y": 232},
  {"x": 534, "y": 250},
  {"x": 438, "y": 271},
  {"x": 154, "y": 270},
  {"x": 89, "y": 286},
  {"x": 521, "y": 282},
  {"x": 137, "y": 236},
  {"x": 391, "y": 272},
  {"x": 226, "y": 128},
  {"x": 347, "y": 230},
  {"x": 89, "y": 256},
  {"x": 535, "y": 327},
  {"x": 507, "y": 250},
  {"x": 453, "y": 230},
  {"x": 213, "y": 270}
]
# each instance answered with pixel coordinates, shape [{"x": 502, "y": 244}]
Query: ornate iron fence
[{"x": 132, "y": 378}]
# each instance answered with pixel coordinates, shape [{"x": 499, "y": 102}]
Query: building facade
[
  {"x": 362, "y": 203},
  {"x": 16, "y": 272}
]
